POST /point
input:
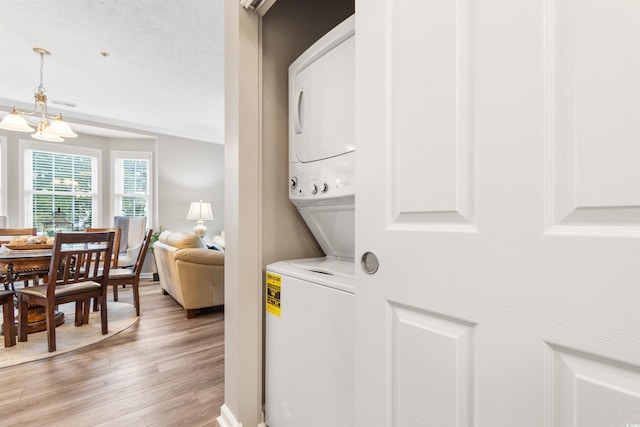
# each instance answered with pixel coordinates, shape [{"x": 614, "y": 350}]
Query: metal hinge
[{"x": 251, "y": 4}]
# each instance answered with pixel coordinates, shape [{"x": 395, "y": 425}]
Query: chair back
[
  {"x": 116, "y": 242},
  {"x": 7, "y": 234},
  {"x": 133, "y": 228},
  {"x": 137, "y": 268},
  {"x": 80, "y": 257}
]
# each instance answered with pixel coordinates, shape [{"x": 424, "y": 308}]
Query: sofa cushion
[
  {"x": 219, "y": 241},
  {"x": 185, "y": 240},
  {"x": 198, "y": 256},
  {"x": 164, "y": 236}
]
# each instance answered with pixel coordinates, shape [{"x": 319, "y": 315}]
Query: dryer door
[{"x": 321, "y": 101}]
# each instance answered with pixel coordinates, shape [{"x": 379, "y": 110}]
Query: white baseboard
[{"x": 226, "y": 418}]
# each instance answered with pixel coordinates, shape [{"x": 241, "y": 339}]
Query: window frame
[
  {"x": 116, "y": 195},
  {"x": 25, "y": 200}
]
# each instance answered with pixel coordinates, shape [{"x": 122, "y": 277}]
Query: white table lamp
[{"x": 200, "y": 212}]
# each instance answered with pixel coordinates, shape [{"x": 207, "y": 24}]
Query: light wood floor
[{"x": 163, "y": 371}]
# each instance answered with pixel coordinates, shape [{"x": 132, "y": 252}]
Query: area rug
[{"x": 69, "y": 337}]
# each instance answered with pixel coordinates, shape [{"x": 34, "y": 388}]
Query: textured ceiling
[{"x": 163, "y": 72}]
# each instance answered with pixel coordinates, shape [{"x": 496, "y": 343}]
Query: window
[
  {"x": 60, "y": 189},
  {"x": 131, "y": 183}
]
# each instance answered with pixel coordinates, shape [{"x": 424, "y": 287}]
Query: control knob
[
  {"x": 314, "y": 189},
  {"x": 293, "y": 182},
  {"x": 325, "y": 187}
]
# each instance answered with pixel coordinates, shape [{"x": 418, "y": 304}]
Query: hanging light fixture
[{"x": 55, "y": 130}]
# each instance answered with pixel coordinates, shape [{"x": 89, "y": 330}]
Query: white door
[{"x": 498, "y": 172}]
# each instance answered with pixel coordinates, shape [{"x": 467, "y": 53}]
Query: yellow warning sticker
[{"x": 274, "y": 287}]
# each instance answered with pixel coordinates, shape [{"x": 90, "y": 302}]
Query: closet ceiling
[{"x": 139, "y": 66}]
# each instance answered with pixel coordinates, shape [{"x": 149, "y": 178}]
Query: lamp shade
[
  {"x": 60, "y": 128},
  {"x": 200, "y": 211},
  {"x": 43, "y": 135},
  {"x": 15, "y": 121}
]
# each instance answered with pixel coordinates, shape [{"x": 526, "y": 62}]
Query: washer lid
[
  {"x": 336, "y": 273},
  {"x": 333, "y": 226},
  {"x": 327, "y": 265}
]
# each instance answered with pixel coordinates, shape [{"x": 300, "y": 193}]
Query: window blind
[
  {"x": 133, "y": 183},
  {"x": 62, "y": 191}
]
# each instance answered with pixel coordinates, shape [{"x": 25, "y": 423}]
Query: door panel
[
  {"x": 431, "y": 360},
  {"x": 499, "y": 188},
  {"x": 583, "y": 382},
  {"x": 430, "y": 134},
  {"x": 593, "y": 103}
]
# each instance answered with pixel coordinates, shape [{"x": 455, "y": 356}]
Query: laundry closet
[{"x": 497, "y": 235}]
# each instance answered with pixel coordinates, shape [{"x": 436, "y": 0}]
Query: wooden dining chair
[
  {"x": 116, "y": 242},
  {"x": 8, "y": 318},
  {"x": 114, "y": 255},
  {"x": 131, "y": 276},
  {"x": 78, "y": 271}
]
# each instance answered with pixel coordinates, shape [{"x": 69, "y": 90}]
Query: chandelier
[{"x": 45, "y": 130}]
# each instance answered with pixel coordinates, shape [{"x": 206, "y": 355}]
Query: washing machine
[
  {"x": 310, "y": 350},
  {"x": 310, "y": 303}
]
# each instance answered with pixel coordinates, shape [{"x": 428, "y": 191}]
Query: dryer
[
  {"x": 310, "y": 322},
  {"x": 322, "y": 139}
]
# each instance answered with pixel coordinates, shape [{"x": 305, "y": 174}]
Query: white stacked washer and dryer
[{"x": 309, "y": 359}]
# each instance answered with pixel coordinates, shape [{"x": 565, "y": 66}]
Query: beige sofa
[{"x": 190, "y": 272}]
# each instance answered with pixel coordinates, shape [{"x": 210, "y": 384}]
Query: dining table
[{"x": 24, "y": 266}]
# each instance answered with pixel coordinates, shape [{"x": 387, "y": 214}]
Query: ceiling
[{"x": 136, "y": 66}]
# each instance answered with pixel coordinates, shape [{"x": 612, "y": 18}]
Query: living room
[{"x": 185, "y": 158}]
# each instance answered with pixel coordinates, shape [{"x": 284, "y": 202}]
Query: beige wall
[{"x": 243, "y": 319}]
